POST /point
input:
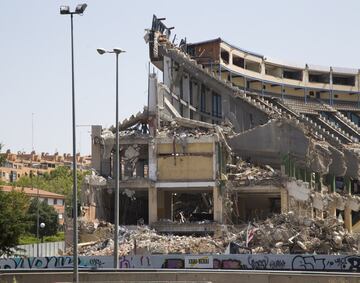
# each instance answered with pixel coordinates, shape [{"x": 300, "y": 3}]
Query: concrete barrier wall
[
  {"x": 45, "y": 249},
  {"x": 178, "y": 276},
  {"x": 342, "y": 263}
]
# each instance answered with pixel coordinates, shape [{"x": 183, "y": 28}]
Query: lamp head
[
  {"x": 118, "y": 50},
  {"x": 42, "y": 225},
  {"x": 80, "y": 8},
  {"x": 101, "y": 51},
  {"x": 64, "y": 10}
]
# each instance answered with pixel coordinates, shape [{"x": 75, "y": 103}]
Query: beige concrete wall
[
  {"x": 185, "y": 168},
  {"x": 194, "y": 163}
]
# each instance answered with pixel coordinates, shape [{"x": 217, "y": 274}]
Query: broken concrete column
[
  {"x": 152, "y": 161},
  {"x": 348, "y": 218},
  {"x": 332, "y": 209},
  {"x": 284, "y": 201},
  {"x": 152, "y": 93},
  {"x": 153, "y": 204},
  {"x": 96, "y": 147},
  {"x": 218, "y": 204}
]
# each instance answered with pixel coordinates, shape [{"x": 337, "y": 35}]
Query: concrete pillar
[
  {"x": 348, "y": 185},
  {"x": 284, "y": 201},
  {"x": 218, "y": 204},
  {"x": 186, "y": 95},
  {"x": 153, "y": 92},
  {"x": 319, "y": 213},
  {"x": 332, "y": 210},
  {"x": 348, "y": 219},
  {"x": 167, "y": 73},
  {"x": 152, "y": 160},
  {"x": 153, "y": 206},
  {"x": 96, "y": 147}
]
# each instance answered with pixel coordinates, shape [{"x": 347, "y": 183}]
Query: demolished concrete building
[{"x": 229, "y": 136}]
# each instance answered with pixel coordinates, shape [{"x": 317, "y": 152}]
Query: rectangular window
[
  {"x": 203, "y": 99},
  {"x": 238, "y": 61},
  {"x": 225, "y": 56},
  {"x": 191, "y": 93},
  {"x": 181, "y": 88},
  {"x": 216, "y": 105},
  {"x": 319, "y": 77}
]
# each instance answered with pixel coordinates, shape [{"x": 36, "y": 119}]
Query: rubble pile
[
  {"x": 244, "y": 173},
  {"x": 280, "y": 234},
  {"x": 144, "y": 240},
  {"x": 177, "y": 131},
  {"x": 289, "y": 234}
]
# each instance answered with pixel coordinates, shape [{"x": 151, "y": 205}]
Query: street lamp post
[
  {"x": 79, "y": 10},
  {"x": 42, "y": 226},
  {"x": 116, "y": 51}
]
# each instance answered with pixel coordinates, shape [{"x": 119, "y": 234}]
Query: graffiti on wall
[
  {"x": 52, "y": 262},
  {"x": 346, "y": 263}
]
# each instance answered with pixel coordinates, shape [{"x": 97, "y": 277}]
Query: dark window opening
[
  {"x": 216, "y": 105},
  {"x": 191, "y": 93},
  {"x": 311, "y": 93},
  {"x": 203, "y": 99},
  {"x": 293, "y": 75},
  {"x": 181, "y": 87},
  {"x": 225, "y": 56},
  {"x": 319, "y": 78},
  {"x": 274, "y": 71},
  {"x": 340, "y": 80},
  {"x": 253, "y": 66},
  {"x": 238, "y": 61}
]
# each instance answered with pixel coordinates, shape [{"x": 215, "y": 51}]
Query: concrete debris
[
  {"x": 299, "y": 190},
  {"x": 289, "y": 233},
  {"x": 95, "y": 180},
  {"x": 108, "y": 141},
  {"x": 143, "y": 240},
  {"x": 280, "y": 234},
  {"x": 244, "y": 173}
]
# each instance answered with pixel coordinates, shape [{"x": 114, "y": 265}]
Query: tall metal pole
[
  {"x": 75, "y": 224},
  {"x": 37, "y": 216},
  {"x": 116, "y": 232},
  {"x": 32, "y": 131}
]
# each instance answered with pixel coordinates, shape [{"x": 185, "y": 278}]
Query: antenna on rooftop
[{"x": 32, "y": 131}]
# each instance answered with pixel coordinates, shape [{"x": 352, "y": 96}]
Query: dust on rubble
[{"x": 280, "y": 234}]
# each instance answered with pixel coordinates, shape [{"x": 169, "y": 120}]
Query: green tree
[
  {"x": 2, "y": 155},
  {"x": 59, "y": 181},
  {"x": 47, "y": 215},
  {"x": 13, "y": 219}
]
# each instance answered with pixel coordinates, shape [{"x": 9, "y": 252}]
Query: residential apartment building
[{"x": 55, "y": 200}]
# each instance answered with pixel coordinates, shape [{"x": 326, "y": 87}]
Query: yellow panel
[
  {"x": 187, "y": 168},
  {"x": 190, "y": 148}
]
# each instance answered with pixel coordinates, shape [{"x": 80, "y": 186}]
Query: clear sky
[{"x": 35, "y": 70}]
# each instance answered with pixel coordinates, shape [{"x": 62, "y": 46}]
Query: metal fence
[{"x": 45, "y": 249}]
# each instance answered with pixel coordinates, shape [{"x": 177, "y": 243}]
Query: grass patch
[{"x": 31, "y": 239}]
